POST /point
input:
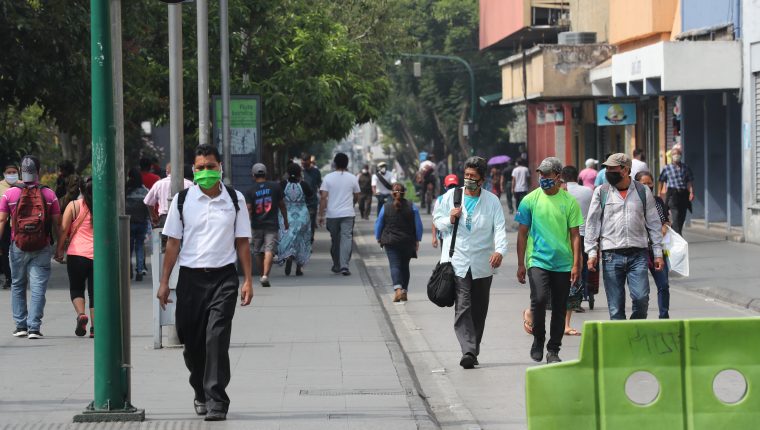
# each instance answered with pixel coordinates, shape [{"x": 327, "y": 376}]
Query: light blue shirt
[{"x": 473, "y": 247}]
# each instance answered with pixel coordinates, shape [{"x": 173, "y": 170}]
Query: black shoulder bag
[{"x": 440, "y": 287}]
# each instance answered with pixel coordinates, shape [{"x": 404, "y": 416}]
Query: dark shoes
[
  {"x": 81, "y": 328},
  {"x": 468, "y": 361},
  {"x": 345, "y": 272},
  {"x": 552, "y": 357},
  {"x": 335, "y": 269},
  {"x": 299, "y": 272},
  {"x": 139, "y": 277},
  {"x": 288, "y": 266},
  {"x": 215, "y": 416},
  {"x": 537, "y": 350},
  {"x": 200, "y": 407}
]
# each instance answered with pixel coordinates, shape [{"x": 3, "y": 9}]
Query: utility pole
[
  {"x": 176, "y": 117},
  {"x": 225, "y": 69},
  {"x": 111, "y": 401},
  {"x": 203, "y": 106}
]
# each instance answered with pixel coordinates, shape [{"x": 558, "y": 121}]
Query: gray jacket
[{"x": 625, "y": 224}]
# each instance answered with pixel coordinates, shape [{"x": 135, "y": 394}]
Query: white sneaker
[
  {"x": 34, "y": 334},
  {"x": 265, "y": 281},
  {"x": 20, "y": 332}
]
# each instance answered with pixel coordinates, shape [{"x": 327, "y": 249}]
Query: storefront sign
[{"x": 615, "y": 114}]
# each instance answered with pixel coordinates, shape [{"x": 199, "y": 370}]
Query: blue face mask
[{"x": 547, "y": 183}]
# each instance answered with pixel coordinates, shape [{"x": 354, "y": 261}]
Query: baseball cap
[
  {"x": 259, "y": 169},
  {"x": 382, "y": 164},
  {"x": 550, "y": 165},
  {"x": 618, "y": 159},
  {"x": 450, "y": 180},
  {"x": 591, "y": 162}
]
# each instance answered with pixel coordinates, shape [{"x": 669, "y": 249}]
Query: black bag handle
[{"x": 457, "y": 203}]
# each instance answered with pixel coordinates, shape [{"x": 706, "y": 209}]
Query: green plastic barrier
[{"x": 685, "y": 356}]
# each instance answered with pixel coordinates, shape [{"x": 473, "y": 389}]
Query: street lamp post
[
  {"x": 111, "y": 400},
  {"x": 473, "y": 98}
]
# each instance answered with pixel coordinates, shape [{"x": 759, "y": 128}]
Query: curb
[
  {"x": 725, "y": 295},
  {"x": 421, "y": 411},
  {"x": 448, "y": 406}
]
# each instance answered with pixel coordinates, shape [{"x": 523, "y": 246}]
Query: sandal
[
  {"x": 572, "y": 332},
  {"x": 527, "y": 323}
]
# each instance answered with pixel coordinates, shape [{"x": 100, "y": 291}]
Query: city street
[{"x": 326, "y": 351}]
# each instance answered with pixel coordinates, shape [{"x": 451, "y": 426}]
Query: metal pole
[
  {"x": 110, "y": 392},
  {"x": 225, "y": 48},
  {"x": 176, "y": 120},
  {"x": 203, "y": 105},
  {"x": 118, "y": 106},
  {"x": 176, "y": 135},
  {"x": 124, "y": 284}
]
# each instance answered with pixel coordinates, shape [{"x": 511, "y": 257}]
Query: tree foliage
[
  {"x": 319, "y": 65},
  {"x": 427, "y": 113}
]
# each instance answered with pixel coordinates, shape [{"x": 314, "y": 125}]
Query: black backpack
[{"x": 182, "y": 195}]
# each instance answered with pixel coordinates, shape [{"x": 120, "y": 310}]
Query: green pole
[{"x": 110, "y": 378}]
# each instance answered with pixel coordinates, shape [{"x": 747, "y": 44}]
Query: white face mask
[
  {"x": 383, "y": 170},
  {"x": 364, "y": 171},
  {"x": 11, "y": 178}
]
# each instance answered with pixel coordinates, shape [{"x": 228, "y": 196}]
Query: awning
[
  {"x": 677, "y": 67},
  {"x": 490, "y": 99}
]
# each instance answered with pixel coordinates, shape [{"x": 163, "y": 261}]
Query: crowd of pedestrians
[{"x": 567, "y": 226}]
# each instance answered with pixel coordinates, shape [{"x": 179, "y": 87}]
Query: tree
[{"x": 428, "y": 113}]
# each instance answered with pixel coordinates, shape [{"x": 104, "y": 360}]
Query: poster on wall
[
  {"x": 615, "y": 114},
  {"x": 245, "y": 117}
]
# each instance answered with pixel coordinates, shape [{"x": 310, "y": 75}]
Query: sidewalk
[
  {"x": 311, "y": 352},
  {"x": 723, "y": 270},
  {"x": 492, "y": 395}
]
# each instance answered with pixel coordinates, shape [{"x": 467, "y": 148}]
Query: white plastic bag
[{"x": 678, "y": 252}]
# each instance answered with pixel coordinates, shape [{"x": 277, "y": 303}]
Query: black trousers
[
  {"x": 205, "y": 307},
  {"x": 471, "y": 309},
  {"x": 365, "y": 204},
  {"x": 543, "y": 285},
  {"x": 518, "y": 198},
  {"x": 678, "y": 202},
  {"x": 80, "y": 270}
]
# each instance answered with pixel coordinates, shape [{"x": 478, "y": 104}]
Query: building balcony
[
  {"x": 520, "y": 24},
  {"x": 551, "y": 72}
]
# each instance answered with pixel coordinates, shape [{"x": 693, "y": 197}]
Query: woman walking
[
  {"x": 398, "y": 229},
  {"x": 138, "y": 220},
  {"x": 77, "y": 232},
  {"x": 660, "y": 277},
  {"x": 295, "y": 243}
]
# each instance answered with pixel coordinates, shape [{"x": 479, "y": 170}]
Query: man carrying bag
[{"x": 479, "y": 249}]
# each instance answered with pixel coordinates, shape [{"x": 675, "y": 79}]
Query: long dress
[{"x": 296, "y": 241}]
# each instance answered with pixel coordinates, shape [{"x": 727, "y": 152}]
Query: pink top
[
  {"x": 588, "y": 177},
  {"x": 82, "y": 242},
  {"x": 9, "y": 200}
]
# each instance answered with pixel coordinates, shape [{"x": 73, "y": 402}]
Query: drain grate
[{"x": 357, "y": 392}]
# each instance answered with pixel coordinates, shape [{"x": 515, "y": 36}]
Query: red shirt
[{"x": 149, "y": 179}]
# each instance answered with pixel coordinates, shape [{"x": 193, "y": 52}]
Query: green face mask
[{"x": 207, "y": 178}]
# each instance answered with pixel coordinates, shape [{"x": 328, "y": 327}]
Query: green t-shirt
[{"x": 550, "y": 219}]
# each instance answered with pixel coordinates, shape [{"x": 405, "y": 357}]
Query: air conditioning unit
[{"x": 576, "y": 38}]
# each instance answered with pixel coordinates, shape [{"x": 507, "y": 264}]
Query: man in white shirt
[
  {"x": 159, "y": 195},
  {"x": 382, "y": 182},
  {"x": 215, "y": 232},
  {"x": 481, "y": 243},
  {"x": 339, "y": 193},
  {"x": 520, "y": 181},
  {"x": 637, "y": 163}
]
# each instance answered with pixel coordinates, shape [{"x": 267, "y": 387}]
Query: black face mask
[{"x": 613, "y": 178}]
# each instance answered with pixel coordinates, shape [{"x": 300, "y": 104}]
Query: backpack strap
[
  {"x": 181, "y": 196},
  {"x": 234, "y": 198}
]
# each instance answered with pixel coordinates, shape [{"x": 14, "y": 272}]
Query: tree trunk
[{"x": 463, "y": 141}]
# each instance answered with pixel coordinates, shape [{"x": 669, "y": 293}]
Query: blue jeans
[
  {"x": 398, "y": 260},
  {"x": 137, "y": 233},
  {"x": 617, "y": 269},
  {"x": 663, "y": 289},
  {"x": 33, "y": 267}
]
